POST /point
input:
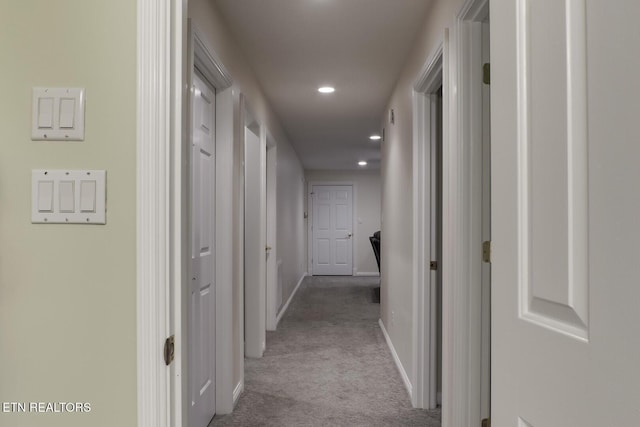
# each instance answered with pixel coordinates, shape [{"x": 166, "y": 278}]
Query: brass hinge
[
  {"x": 486, "y": 251},
  {"x": 486, "y": 422},
  {"x": 433, "y": 265},
  {"x": 486, "y": 73},
  {"x": 169, "y": 350}
]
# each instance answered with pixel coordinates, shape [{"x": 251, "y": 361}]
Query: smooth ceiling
[{"x": 358, "y": 46}]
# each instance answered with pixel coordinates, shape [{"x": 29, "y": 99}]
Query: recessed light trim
[
  {"x": 362, "y": 163},
  {"x": 375, "y": 137},
  {"x": 326, "y": 89}
]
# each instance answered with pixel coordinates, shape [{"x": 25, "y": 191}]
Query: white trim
[
  {"x": 367, "y": 274},
  {"x": 207, "y": 61},
  {"x": 354, "y": 231},
  {"x": 424, "y": 293},
  {"x": 237, "y": 391},
  {"x": 473, "y": 11},
  {"x": 462, "y": 225},
  {"x": 157, "y": 77},
  {"x": 430, "y": 77},
  {"x": 396, "y": 359},
  {"x": 208, "y": 64},
  {"x": 354, "y": 228},
  {"x": 286, "y": 304}
]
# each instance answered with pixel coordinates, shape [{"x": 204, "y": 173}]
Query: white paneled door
[
  {"x": 332, "y": 230},
  {"x": 565, "y": 213},
  {"x": 202, "y": 268}
]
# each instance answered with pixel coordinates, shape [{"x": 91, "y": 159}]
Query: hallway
[{"x": 327, "y": 365}]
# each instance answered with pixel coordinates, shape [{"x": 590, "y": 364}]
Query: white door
[
  {"x": 202, "y": 292},
  {"x": 332, "y": 230},
  {"x": 565, "y": 160},
  {"x": 255, "y": 335}
]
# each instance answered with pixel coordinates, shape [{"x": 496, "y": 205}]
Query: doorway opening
[
  {"x": 429, "y": 119},
  {"x": 466, "y": 239},
  {"x": 201, "y": 306}
]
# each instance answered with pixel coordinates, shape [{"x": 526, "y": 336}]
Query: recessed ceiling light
[
  {"x": 362, "y": 163},
  {"x": 326, "y": 89},
  {"x": 375, "y": 137}
]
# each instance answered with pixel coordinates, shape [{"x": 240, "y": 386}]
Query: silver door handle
[
  {"x": 268, "y": 248},
  {"x": 349, "y": 235}
]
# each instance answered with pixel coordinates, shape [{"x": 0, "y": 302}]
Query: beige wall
[
  {"x": 367, "y": 208},
  {"x": 68, "y": 292},
  {"x": 292, "y": 230},
  {"x": 207, "y": 18},
  {"x": 397, "y": 203}
]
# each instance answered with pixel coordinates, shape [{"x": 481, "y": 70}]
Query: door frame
[
  {"x": 462, "y": 221},
  {"x": 160, "y": 93},
  {"x": 354, "y": 215},
  {"x": 430, "y": 79},
  {"x": 164, "y": 68},
  {"x": 209, "y": 64}
]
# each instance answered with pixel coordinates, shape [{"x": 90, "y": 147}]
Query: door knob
[
  {"x": 268, "y": 248},
  {"x": 349, "y": 235}
]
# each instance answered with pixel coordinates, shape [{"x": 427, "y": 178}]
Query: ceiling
[{"x": 357, "y": 46}]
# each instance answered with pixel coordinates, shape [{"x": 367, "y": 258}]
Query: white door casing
[
  {"x": 332, "y": 230},
  {"x": 202, "y": 269},
  {"x": 565, "y": 210},
  {"x": 462, "y": 338}
]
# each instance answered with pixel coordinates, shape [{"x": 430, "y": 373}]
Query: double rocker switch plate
[{"x": 58, "y": 114}]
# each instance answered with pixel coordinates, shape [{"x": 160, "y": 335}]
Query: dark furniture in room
[{"x": 375, "y": 244}]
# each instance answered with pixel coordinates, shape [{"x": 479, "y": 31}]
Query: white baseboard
[
  {"x": 286, "y": 304},
  {"x": 238, "y": 391},
  {"x": 396, "y": 359},
  {"x": 367, "y": 274}
]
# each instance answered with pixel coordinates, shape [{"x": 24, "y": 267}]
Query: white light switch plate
[
  {"x": 57, "y": 114},
  {"x": 68, "y": 196}
]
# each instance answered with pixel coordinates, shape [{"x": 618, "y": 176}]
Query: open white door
[
  {"x": 202, "y": 270},
  {"x": 255, "y": 235},
  {"x": 565, "y": 213},
  {"x": 332, "y": 230},
  {"x": 272, "y": 300}
]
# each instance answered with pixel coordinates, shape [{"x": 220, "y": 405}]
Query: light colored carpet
[{"x": 327, "y": 365}]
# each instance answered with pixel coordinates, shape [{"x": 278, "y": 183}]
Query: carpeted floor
[{"x": 327, "y": 365}]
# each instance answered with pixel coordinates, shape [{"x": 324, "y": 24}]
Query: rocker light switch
[
  {"x": 45, "y": 113},
  {"x": 45, "y": 196},
  {"x": 87, "y": 196},
  {"x": 67, "y": 113},
  {"x": 67, "y": 196}
]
